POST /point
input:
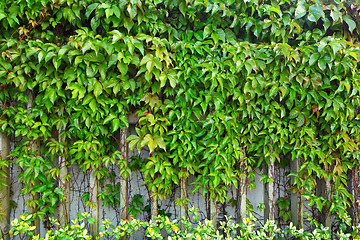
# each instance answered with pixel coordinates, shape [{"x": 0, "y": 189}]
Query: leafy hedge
[
  {"x": 163, "y": 228},
  {"x": 215, "y": 85}
]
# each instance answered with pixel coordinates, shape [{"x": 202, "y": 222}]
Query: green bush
[{"x": 163, "y": 228}]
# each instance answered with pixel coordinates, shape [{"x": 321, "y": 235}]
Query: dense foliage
[
  {"x": 215, "y": 85},
  {"x": 163, "y": 228}
]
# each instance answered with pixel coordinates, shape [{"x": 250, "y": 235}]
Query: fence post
[
  {"x": 323, "y": 188},
  {"x": 241, "y": 198},
  {"x": 213, "y": 212},
  {"x": 153, "y": 205},
  {"x": 124, "y": 181},
  {"x": 353, "y": 187},
  {"x": 296, "y": 202},
  {"x": 4, "y": 187},
  {"x": 94, "y": 207},
  {"x": 64, "y": 185},
  {"x": 183, "y": 197},
  {"x": 34, "y": 146},
  {"x": 269, "y": 195}
]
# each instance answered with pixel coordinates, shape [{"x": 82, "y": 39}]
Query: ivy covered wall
[{"x": 218, "y": 89}]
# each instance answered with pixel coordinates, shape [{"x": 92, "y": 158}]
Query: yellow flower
[
  {"x": 151, "y": 231},
  {"x": 167, "y": 222},
  {"x": 198, "y": 237},
  {"x": 11, "y": 232},
  {"x": 175, "y": 228}
]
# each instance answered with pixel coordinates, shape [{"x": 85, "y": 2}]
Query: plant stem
[{"x": 4, "y": 189}]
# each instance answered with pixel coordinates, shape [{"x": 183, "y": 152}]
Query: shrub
[{"x": 163, "y": 228}]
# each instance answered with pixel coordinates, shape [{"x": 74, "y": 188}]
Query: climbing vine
[{"x": 214, "y": 84}]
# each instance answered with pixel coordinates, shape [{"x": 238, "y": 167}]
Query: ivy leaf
[
  {"x": 301, "y": 120},
  {"x": 207, "y": 31},
  {"x": 350, "y": 22},
  {"x": 92, "y": 105},
  {"x": 53, "y": 199},
  {"x": 97, "y": 89},
  {"x": 91, "y": 220},
  {"x": 314, "y": 57},
  {"x": 109, "y": 118},
  {"x": 160, "y": 142},
  {"x": 300, "y": 11},
  {"x": 90, "y": 9},
  {"x": 172, "y": 78},
  {"x": 59, "y": 192},
  {"x": 182, "y": 8},
  {"x": 115, "y": 123}
]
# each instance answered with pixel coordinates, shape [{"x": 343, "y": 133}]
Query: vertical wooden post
[
  {"x": 34, "y": 146},
  {"x": 183, "y": 196},
  {"x": 213, "y": 212},
  {"x": 241, "y": 198},
  {"x": 153, "y": 205},
  {"x": 64, "y": 185},
  {"x": 353, "y": 185},
  {"x": 94, "y": 208},
  {"x": 296, "y": 204},
  {"x": 4, "y": 188},
  {"x": 269, "y": 196},
  {"x": 241, "y": 193},
  {"x": 124, "y": 181},
  {"x": 323, "y": 188}
]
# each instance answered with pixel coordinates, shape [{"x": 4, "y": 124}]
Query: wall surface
[{"x": 80, "y": 186}]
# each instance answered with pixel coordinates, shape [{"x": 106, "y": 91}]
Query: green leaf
[
  {"x": 92, "y": 105},
  {"x": 273, "y": 91},
  {"x": 49, "y": 56},
  {"x": 160, "y": 142},
  {"x": 300, "y": 11},
  {"x": 182, "y": 8},
  {"x": 221, "y": 34},
  {"x": 109, "y": 118},
  {"x": 314, "y": 57},
  {"x": 123, "y": 118},
  {"x": 98, "y": 89},
  {"x": 322, "y": 64},
  {"x": 90, "y": 9},
  {"x": 172, "y": 78},
  {"x": 53, "y": 199},
  {"x": 350, "y": 22},
  {"x": 294, "y": 113},
  {"x": 123, "y": 68},
  {"x": 207, "y": 31},
  {"x": 115, "y": 124},
  {"x": 40, "y": 188},
  {"x": 91, "y": 220},
  {"x": 301, "y": 120}
]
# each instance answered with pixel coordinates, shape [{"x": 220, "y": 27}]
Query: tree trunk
[
  {"x": 241, "y": 198},
  {"x": 296, "y": 204},
  {"x": 124, "y": 181},
  {"x": 64, "y": 185},
  {"x": 269, "y": 213},
  {"x": 354, "y": 186},
  {"x": 4, "y": 188},
  {"x": 323, "y": 188},
  {"x": 183, "y": 196},
  {"x": 34, "y": 146},
  {"x": 153, "y": 205},
  {"x": 241, "y": 192},
  {"x": 94, "y": 207},
  {"x": 213, "y": 212}
]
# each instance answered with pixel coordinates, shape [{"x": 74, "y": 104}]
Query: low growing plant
[{"x": 190, "y": 229}]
